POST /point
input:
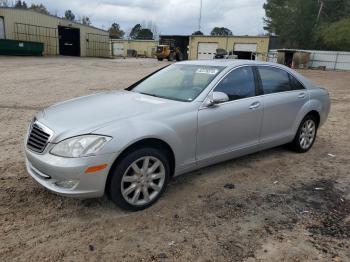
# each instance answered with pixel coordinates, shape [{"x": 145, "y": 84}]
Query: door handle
[
  {"x": 254, "y": 105},
  {"x": 301, "y": 95}
]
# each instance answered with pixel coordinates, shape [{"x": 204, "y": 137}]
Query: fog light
[{"x": 68, "y": 184}]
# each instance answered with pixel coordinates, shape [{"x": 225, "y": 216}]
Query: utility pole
[{"x": 200, "y": 16}]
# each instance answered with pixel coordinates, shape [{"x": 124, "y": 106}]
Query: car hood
[{"x": 86, "y": 114}]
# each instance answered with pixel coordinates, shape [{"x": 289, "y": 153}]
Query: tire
[
  {"x": 171, "y": 58},
  {"x": 306, "y": 135},
  {"x": 179, "y": 56},
  {"x": 160, "y": 59},
  {"x": 125, "y": 176}
]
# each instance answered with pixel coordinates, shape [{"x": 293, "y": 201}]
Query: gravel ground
[{"x": 271, "y": 206}]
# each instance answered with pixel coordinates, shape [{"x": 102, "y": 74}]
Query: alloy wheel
[
  {"x": 143, "y": 180},
  {"x": 307, "y": 134}
]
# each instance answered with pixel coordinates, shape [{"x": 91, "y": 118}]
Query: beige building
[
  {"x": 200, "y": 47},
  {"x": 243, "y": 47},
  {"x": 144, "y": 48},
  {"x": 60, "y": 36}
]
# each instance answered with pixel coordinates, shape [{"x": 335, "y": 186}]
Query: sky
[{"x": 242, "y": 17}]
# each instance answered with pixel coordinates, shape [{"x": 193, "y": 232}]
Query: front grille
[{"x": 38, "y": 138}]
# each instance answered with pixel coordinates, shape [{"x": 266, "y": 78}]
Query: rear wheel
[
  {"x": 306, "y": 135},
  {"x": 160, "y": 59},
  {"x": 179, "y": 56},
  {"x": 139, "y": 179}
]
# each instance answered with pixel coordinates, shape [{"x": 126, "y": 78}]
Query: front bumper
[{"x": 49, "y": 170}]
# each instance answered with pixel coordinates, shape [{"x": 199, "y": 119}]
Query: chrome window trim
[{"x": 203, "y": 106}]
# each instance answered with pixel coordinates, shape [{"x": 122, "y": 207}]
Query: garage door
[
  {"x": 245, "y": 47},
  {"x": 206, "y": 50},
  {"x": 2, "y": 28},
  {"x": 118, "y": 49}
]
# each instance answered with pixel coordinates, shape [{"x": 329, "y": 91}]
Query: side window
[
  {"x": 296, "y": 85},
  {"x": 238, "y": 84},
  {"x": 274, "y": 80}
]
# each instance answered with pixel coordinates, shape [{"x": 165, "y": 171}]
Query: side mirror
[{"x": 217, "y": 98}]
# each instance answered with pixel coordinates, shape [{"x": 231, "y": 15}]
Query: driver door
[{"x": 232, "y": 128}]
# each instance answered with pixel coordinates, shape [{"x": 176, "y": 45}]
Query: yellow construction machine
[{"x": 168, "y": 50}]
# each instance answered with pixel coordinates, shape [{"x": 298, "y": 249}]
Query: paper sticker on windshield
[{"x": 208, "y": 71}]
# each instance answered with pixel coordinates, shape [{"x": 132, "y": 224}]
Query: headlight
[{"x": 80, "y": 146}]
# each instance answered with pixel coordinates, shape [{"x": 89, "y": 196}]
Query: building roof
[
  {"x": 52, "y": 16},
  {"x": 292, "y": 50},
  {"x": 132, "y": 40},
  {"x": 233, "y": 36}
]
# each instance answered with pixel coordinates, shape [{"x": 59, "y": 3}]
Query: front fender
[{"x": 181, "y": 140}]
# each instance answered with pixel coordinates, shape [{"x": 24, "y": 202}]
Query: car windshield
[{"x": 179, "y": 81}]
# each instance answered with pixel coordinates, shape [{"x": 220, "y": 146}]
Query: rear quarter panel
[{"x": 320, "y": 101}]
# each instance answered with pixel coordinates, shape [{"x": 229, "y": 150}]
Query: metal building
[
  {"x": 243, "y": 47},
  {"x": 59, "y": 36},
  {"x": 320, "y": 59}
]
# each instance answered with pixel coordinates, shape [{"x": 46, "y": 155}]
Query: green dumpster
[{"x": 17, "y": 47}]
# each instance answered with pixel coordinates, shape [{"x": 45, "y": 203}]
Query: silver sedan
[{"x": 128, "y": 144}]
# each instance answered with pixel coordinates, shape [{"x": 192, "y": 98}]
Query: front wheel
[
  {"x": 171, "y": 58},
  {"x": 306, "y": 135},
  {"x": 139, "y": 179}
]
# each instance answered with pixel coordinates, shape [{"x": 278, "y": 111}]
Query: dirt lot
[{"x": 284, "y": 206}]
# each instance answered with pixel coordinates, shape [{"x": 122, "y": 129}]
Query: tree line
[
  {"x": 309, "y": 24},
  {"x": 305, "y": 24},
  {"x": 216, "y": 31}
]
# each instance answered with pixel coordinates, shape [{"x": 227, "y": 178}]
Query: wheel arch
[
  {"x": 316, "y": 114},
  {"x": 146, "y": 142},
  {"x": 311, "y": 107}
]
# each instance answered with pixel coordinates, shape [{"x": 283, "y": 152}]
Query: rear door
[
  {"x": 232, "y": 128},
  {"x": 283, "y": 97}
]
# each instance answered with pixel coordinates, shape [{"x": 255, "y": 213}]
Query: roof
[
  {"x": 132, "y": 40},
  {"x": 52, "y": 16},
  {"x": 184, "y": 36},
  {"x": 228, "y": 63},
  {"x": 225, "y": 62},
  {"x": 233, "y": 36},
  {"x": 291, "y": 50}
]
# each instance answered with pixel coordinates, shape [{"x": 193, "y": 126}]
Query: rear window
[
  {"x": 296, "y": 85},
  {"x": 274, "y": 80}
]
